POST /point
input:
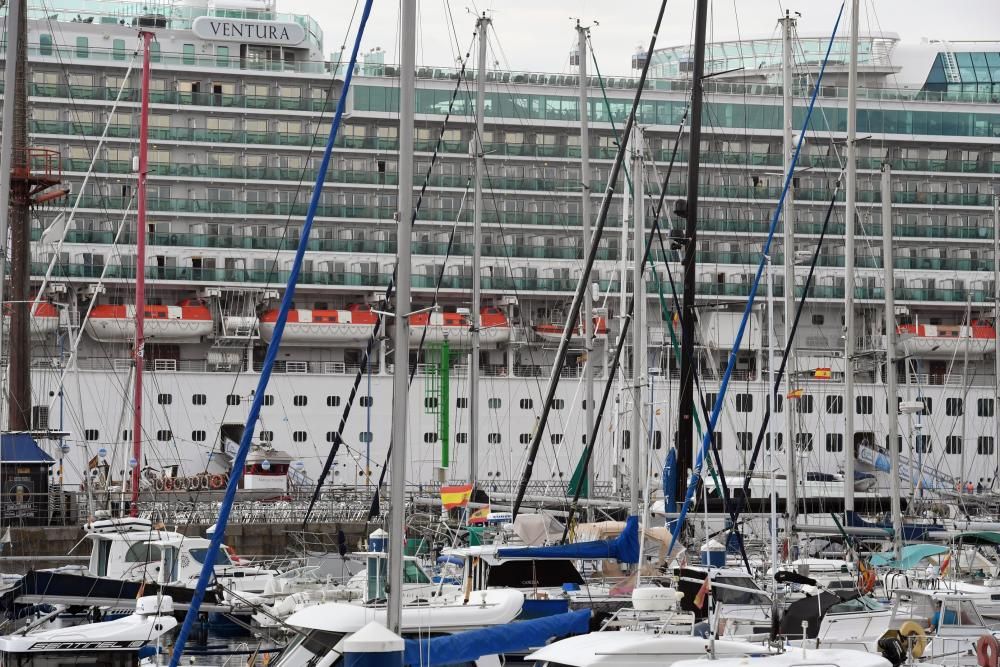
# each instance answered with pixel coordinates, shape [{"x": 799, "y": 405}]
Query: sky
[{"x": 537, "y": 35}]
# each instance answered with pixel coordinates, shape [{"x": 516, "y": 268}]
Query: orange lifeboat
[
  {"x": 318, "y": 327},
  {"x": 44, "y": 320},
  {"x": 433, "y": 327},
  {"x": 186, "y": 322},
  {"x": 943, "y": 340},
  {"x": 554, "y": 332}
]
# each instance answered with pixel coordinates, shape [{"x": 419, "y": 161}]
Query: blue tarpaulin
[
  {"x": 22, "y": 448},
  {"x": 474, "y": 644},
  {"x": 624, "y": 548}
]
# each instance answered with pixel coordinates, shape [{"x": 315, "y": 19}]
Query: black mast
[{"x": 690, "y": 213}]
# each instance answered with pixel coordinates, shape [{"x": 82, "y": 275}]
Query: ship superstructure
[{"x": 241, "y": 101}]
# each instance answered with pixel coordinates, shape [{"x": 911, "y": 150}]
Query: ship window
[
  {"x": 267, "y": 436},
  {"x": 91, "y": 434},
  {"x": 953, "y": 407},
  {"x": 744, "y": 402},
  {"x": 493, "y": 438},
  {"x": 199, "y": 399},
  {"x": 834, "y": 442},
  {"x": 299, "y": 436},
  {"x": 82, "y": 47},
  {"x": 817, "y": 319},
  {"x": 558, "y": 404},
  {"x": 430, "y": 438},
  {"x": 40, "y": 417},
  {"x": 332, "y": 401},
  {"x": 331, "y": 436},
  {"x": 985, "y": 407},
  {"x": 45, "y": 45},
  {"x": 127, "y": 435},
  {"x": 984, "y": 445},
  {"x": 526, "y": 403},
  {"x": 268, "y": 399},
  {"x": 556, "y": 438},
  {"x": 365, "y": 401},
  {"x": 953, "y": 444},
  {"x": 461, "y": 438},
  {"x": 164, "y": 435},
  {"x": 300, "y": 401},
  {"x": 118, "y": 49},
  {"x": 233, "y": 399},
  {"x": 744, "y": 440},
  {"x": 165, "y": 399},
  {"x": 710, "y": 400},
  {"x": 461, "y": 403},
  {"x": 778, "y": 438},
  {"x": 657, "y": 440},
  {"x": 717, "y": 441},
  {"x": 834, "y": 405},
  {"x": 495, "y": 403},
  {"x": 923, "y": 444},
  {"x": 198, "y": 436},
  {"x": 928, "y": 404},
  {"x": 222, "y": 56},
  {"x": 626, "y": 439},
  {"x": 805, "y": 404},
  {"x": 188, "y": 54},
  {"x": 779, "y": 403},
  {"x": 430, "y": 402},
  {"x": 864, "y": 405},
  {"x": 365, "y": 436},
  {"x": 142, "y": 552}
]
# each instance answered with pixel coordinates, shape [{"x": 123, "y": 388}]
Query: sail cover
[
  {"x": 624, "y": 548},
  {"x": 463, "y": 647},
  {"x": 910, "y": 556}
]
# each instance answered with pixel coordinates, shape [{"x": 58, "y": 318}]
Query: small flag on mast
[
  {"x": 699, "y": 598},
  {"x": 795, "y": 393},
  {"x": 479, "y": 516},
  {"x": 823, "y": 374},
  {"x": 456, "y": 496}
]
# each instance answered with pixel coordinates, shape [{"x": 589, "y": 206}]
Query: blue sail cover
[
  {"x": 670, "y": 482},
  {"x": 624, "y": 548},
  {"x": 474, "y": 644},
  {"x": 911, "y": 532}
]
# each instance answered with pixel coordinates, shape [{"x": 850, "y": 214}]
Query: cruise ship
[{"x": 241, "y": 101}]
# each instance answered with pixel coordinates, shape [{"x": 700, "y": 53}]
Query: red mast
[{"x": 140, "y": 276}]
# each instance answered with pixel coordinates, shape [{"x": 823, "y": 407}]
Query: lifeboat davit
[
  {"x": 319, "y": 327},
  {"x": 554, "y": 332},
  {"x": 44, "y": 321},
  {"x": 187, "y": 322},
  {"x": 943, "y": 340},
  {"x": 434, "y": 327}
]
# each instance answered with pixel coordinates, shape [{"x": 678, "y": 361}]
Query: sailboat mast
[
  {"x": 849, "y": 215},
  {"x": 18, "y": 213},
  {"x": 482, "y": 29},
  {"x": 965, "y": 389},
  {"x": 890, "y": 362},
  {"x": 788, "y": 250},
  {"x": 15, "y": 8},
  {"x": 400, "y": 378},
  {"x": 140, "y": 276},
  {"x": 636, "y": 441},
  {"x": 588, "y": 300},
  {"x": 685, "y": 426},
  {"x": 996, "y": 322}
]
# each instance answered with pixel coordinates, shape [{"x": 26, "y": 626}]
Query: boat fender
[
  {"x": 917, "y": 638},
  {"x": 203, "y": 482},
  {"x": 892, "y": 648},
  {"x": 988, "y": 651},
  {"x": 216, "y": 482},
  {"x": 168, "y": 483}
]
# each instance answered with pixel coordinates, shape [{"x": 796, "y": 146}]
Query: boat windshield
[
  {"x": 312, "y": 648},
  {"x": 729, "y": 596},
  {"x": 862, "y": 603},
  {"x": 221, "y": 557}
]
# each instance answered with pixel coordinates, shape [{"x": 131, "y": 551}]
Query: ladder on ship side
[
  {"x": 950, "y": 63},
  {"x": 437, "y": 394}
]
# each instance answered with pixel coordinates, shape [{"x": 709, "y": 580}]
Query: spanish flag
[
  {"x": 456, "y": 496},
  {"x": 795, "y": 393},
  {"x": 822, "y": 374},
  {"x": 479, "y": 517},
  {"x": 699, "y": 598}
]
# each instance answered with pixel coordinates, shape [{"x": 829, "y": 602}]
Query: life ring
[
  {"x": 917, "y": 638},
  {"x": 168, "y": 483},
  {"x": 216, "y": 482},
  {"x": 987, "y": 651},
  {"x": 867, "y": 580}
]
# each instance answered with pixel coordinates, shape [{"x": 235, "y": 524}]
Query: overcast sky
[{"x": 538, "y": 34}]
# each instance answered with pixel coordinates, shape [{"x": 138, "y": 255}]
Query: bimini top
[
  {"x": 22, "y": 448},
  {"x": 625, "y": 647},
  {"x": 797, "y": 657}
]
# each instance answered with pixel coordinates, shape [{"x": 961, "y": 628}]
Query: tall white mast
[
  {"x": 890, "y": 361},
  {"x": 996, "y": 321},
  {"x": 849, "y": 215},
  {"x": 788, "y": 249},
  {"x": 636, "y": 441},
  {"x": 482, "y": 29},
  {"x": 401, "y": 364},
  {"x": 588, "y": 301}
]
